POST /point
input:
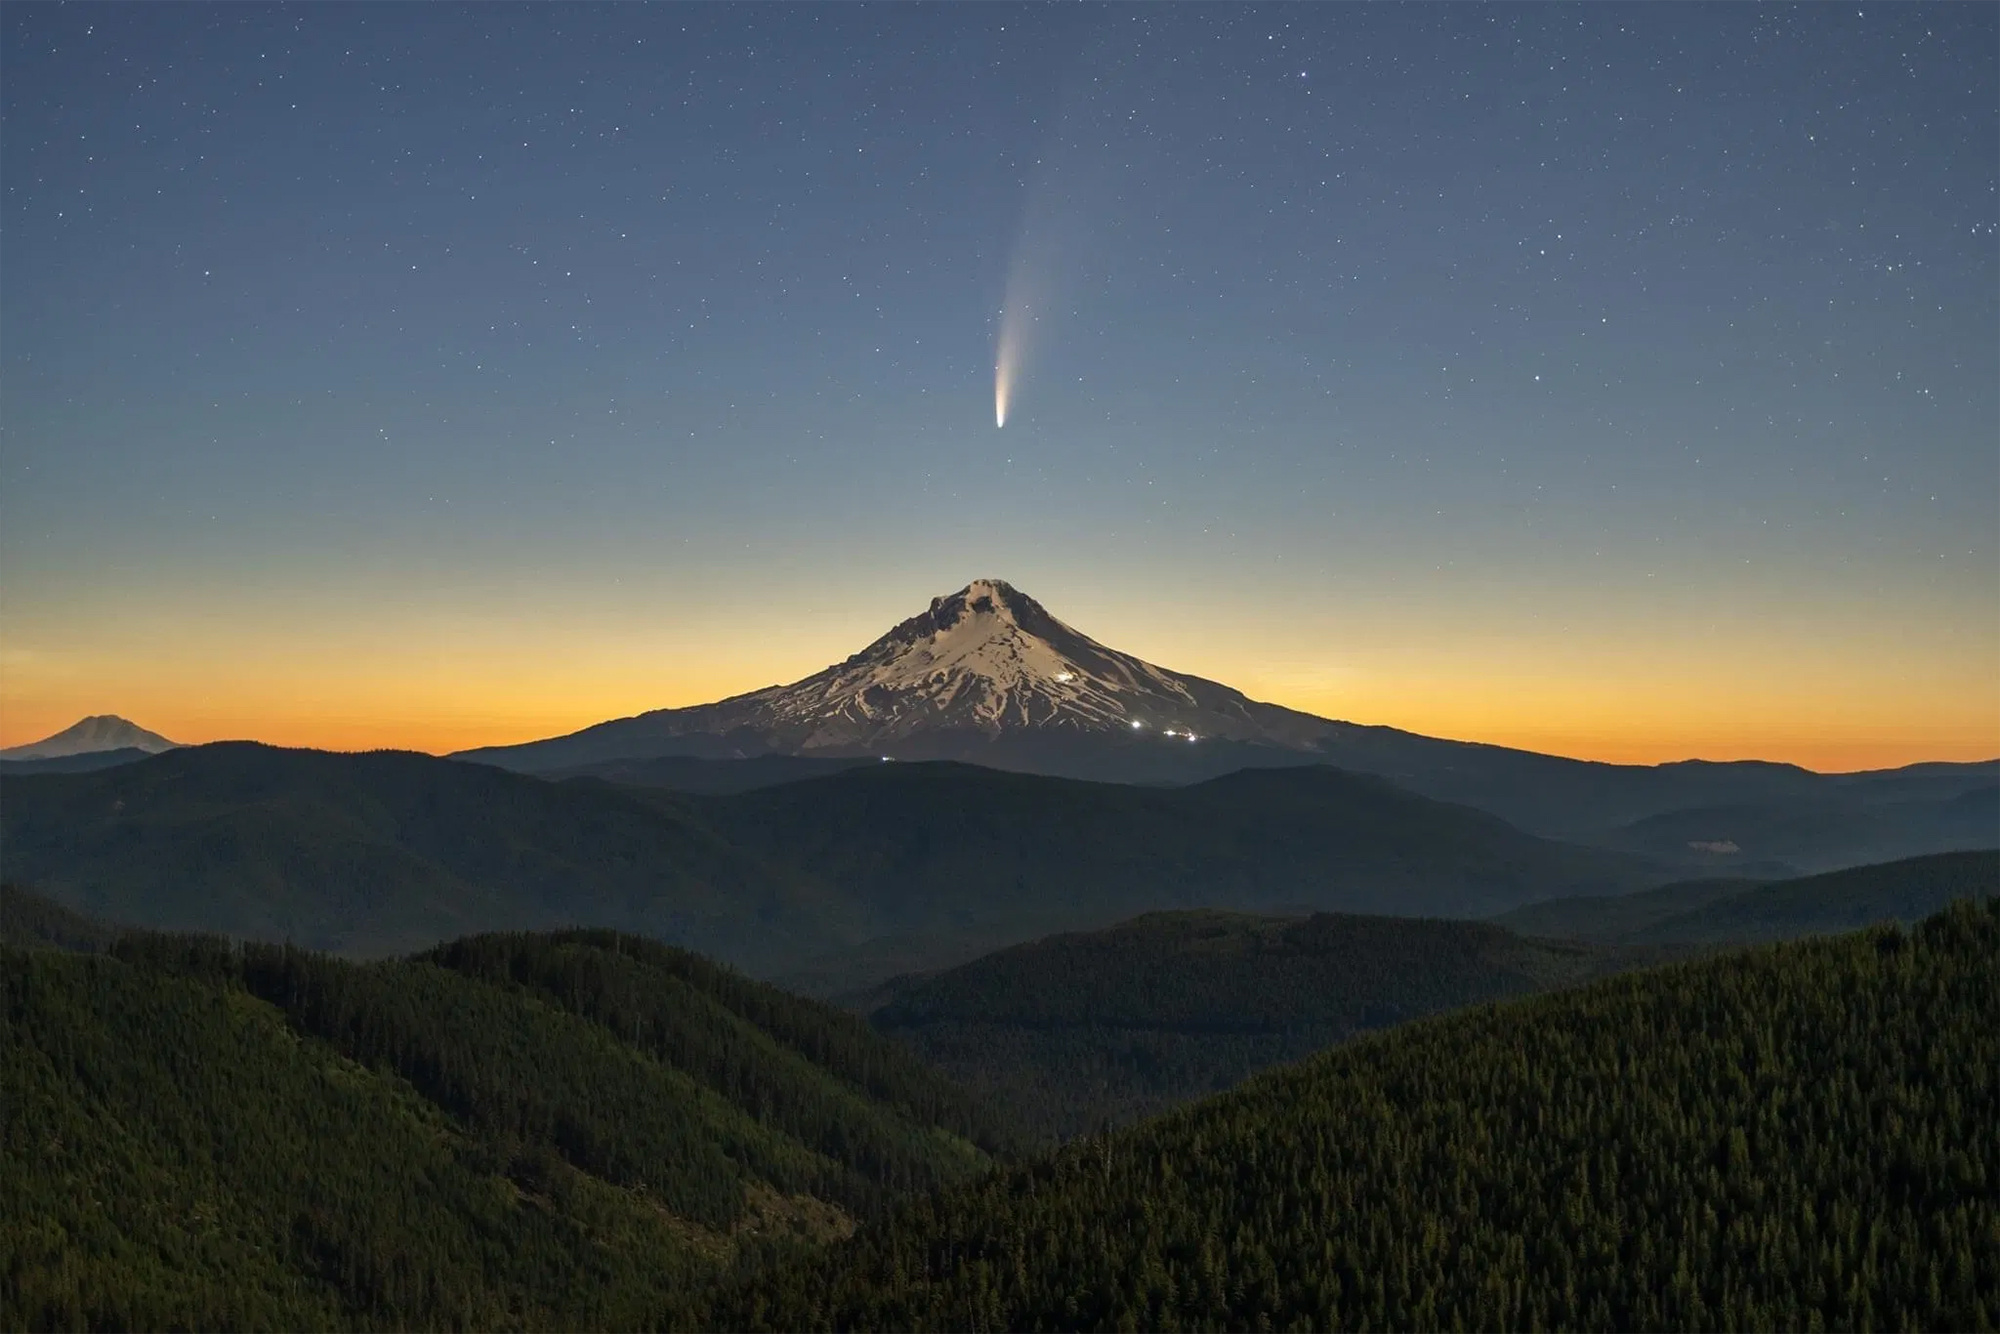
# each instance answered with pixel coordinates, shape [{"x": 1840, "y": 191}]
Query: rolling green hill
[
  {"x": 572, "y": 1129},
  {"x": 1796, "y": 1136},
  {"x": 1074, "y": 1031},
  {"x": 1721, "y": 911},
  {"x": 385, "y": 852}
]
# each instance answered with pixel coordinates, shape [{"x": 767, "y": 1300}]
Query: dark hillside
[
  {"x": 377, "y": 853},
  {"x": 1798, "y": 1136},
  {"x": 28, "y": 920},
  {"x": 947, "y": 847},
  {"x": 1614, "y": 917},
  {"x": 1904, "y": 891},
  {"x": 86, "y": 762},
  {"x": 696, "y": 773},
  {"x": 1074, "y": 1031},
  {"x": 1718, "y": 911},
  {"x": 1839, "y": 827}
]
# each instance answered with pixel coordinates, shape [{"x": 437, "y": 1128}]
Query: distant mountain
[
  {"x": 982, "y": 664},
  {"x": 98, "y": 733},
  {"x": 1846, "y": 826},
  {"x": 578, "y": 1130},
  {"x": 962, "y": 856},
  {"x": 1727, "y": 911},
  {"x": 988, "y": 676},
  {"x": 1073, "y": 1031},
  {"x": 1659, "y": 1150},
  {"x": 384, "y": 852},
  {"x": 75, "y": 764}
]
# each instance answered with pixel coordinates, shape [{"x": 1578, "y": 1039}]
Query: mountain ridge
[{"x": 391, "y": 851}]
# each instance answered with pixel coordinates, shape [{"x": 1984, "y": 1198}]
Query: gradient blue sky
[{"x": 1618, "y": 380}]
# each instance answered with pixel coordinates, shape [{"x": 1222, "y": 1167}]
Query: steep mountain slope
[
  {"x": 388, "y": 851},
  {"x": 1718, "y": 911},
  {"x": 99, "y": 732},
  {"x": 1073, "y": 1031},
  {"x": 986, "y": 675},
  {"x": 525, "y": 1131},
  {"x": 1797, "y": 1136}
]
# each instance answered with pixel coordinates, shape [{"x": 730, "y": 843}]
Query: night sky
[{"x": 1615, "y": 380}]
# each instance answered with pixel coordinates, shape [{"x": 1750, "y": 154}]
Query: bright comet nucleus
[{"x": 1006, "y": 360}]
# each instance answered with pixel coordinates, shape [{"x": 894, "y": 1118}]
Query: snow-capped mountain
[
  {"x": 987, "y": 664},
  {"x": 990, "y": 659},
  {"x": 987, "y": 675},
  {"x": 99, "y": 732}
]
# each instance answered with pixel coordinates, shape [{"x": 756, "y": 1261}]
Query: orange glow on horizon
[
  {"x": 314, "y": 671},
  {"x": 1583, "y": 719}
]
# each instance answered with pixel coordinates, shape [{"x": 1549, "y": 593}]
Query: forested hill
[
  {"x": 1077, "y": 1030},
  {"x": 577, "y": 1129},
  {"x": 1797, "y": 1136},
  {"x": 386, "y": 852},
  {"x": 28, "y": 920},
  {"x": 996, "y": 858},
  {"x": 1720, "y": 911}
]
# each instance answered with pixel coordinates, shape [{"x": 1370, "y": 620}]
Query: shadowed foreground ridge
[{"x": 1799, "y": 1136}]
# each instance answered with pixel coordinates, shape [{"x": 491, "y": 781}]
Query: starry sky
[{"x": 1612, "y": 380}]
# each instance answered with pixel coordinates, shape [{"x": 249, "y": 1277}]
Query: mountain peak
[
  {"x": 994, "y": 601},
  {"x": 989, "y": 659},
  {"x": 87, "y": 736},
  {"x": 985, "y": 664}
]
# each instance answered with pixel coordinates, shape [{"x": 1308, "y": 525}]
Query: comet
[
  {"x": 1056, "y": 207},
  {"x": 1007, "y": 355},
  {"x": 1028, "y": 278}
]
